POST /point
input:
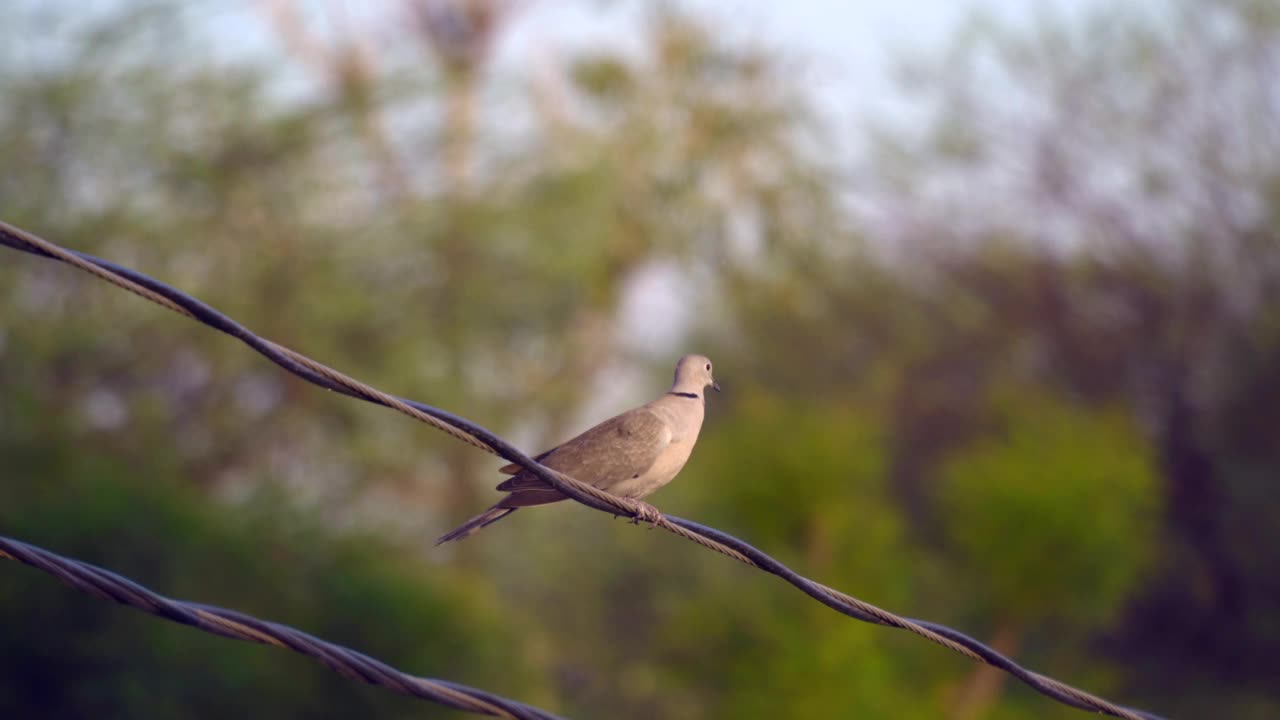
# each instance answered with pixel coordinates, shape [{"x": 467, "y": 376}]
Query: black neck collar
[{"x": 694, "y": 396}]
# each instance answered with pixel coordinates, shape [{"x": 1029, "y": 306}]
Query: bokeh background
[{"x": 992, "y": 291}]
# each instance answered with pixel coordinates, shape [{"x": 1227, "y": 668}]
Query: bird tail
[{"x": 488, "y": 517}]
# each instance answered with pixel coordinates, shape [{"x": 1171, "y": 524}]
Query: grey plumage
[{"x": 631, "y": 455}]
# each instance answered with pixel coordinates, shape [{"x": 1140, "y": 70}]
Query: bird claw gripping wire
[{"x": 646, "y": 513}]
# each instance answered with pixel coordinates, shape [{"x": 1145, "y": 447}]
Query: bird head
[{"x": 693, "y": 374}]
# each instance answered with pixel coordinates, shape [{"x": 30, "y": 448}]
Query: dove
[{"x": 630, "y": 455}]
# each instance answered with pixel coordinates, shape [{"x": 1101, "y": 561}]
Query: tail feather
[{"x": 488, "y": 517}]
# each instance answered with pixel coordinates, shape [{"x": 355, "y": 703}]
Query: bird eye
[{"x": 708, "y": 366}]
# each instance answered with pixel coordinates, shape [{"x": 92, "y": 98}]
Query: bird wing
[
  {"x": 618, "y": 449},
  {"x": 514, "y": 468}
]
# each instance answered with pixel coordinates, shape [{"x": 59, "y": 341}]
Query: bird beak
[{"x": 715, "y": 386}]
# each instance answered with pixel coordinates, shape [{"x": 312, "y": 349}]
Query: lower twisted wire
[{"x": 238, "y": 626}]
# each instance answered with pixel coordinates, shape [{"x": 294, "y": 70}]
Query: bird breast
[{"x": 684, "y": 426}]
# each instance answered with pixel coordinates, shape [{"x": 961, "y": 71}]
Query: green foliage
[
  {"x": 797, "y": 477},
  {"x": 1052, "y": 510},
  {"x": 805, "y": 482},
  {"x": 69, "y": 654}
]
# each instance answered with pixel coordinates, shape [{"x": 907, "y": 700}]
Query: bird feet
[{"x": 646, "y": 513}]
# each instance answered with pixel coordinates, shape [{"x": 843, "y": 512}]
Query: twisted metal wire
[
  {"x": 238, "y": 626},
  {"x": 484, "y": 439}
]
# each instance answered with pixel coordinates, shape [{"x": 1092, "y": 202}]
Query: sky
[
  {"x": 843, "y": 51},
  {"x": 845, "y": 48}
]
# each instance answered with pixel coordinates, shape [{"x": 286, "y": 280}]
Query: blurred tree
[
  {"x": 1084, "y": 234},
  {"x": 1052, "y": 516},
  {"x": 129, "y": 142},
  {"x": 1133, "y": 156},
  {"x": 67, "y": 655},
  {"x": 1085, "y": 214}
]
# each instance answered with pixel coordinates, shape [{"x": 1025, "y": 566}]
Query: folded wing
[{"x": 618, "y": 449}]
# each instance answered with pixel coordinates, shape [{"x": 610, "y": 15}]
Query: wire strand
[
  {"x": 107, "y": 585},
  {"x": 480, "y": 437}
]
